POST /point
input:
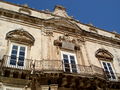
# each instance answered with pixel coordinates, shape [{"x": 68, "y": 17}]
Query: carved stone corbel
[{"x": 64, "y": 81}]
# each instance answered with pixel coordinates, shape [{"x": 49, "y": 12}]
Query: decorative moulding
[
  {"x": 104, "y": 54},
  {"x": 25, "y": 9},
  {"x": 67, "y": 42},
  {"x": 20, "y": 36}
]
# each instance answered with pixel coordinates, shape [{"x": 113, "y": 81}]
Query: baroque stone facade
[{"x": 42, "y": 50}]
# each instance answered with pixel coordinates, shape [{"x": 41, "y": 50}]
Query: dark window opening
[
  {"x": 15, "y": 74},
  {"x": 6, "y": 73},
  {"x": 23, "y": 76}
]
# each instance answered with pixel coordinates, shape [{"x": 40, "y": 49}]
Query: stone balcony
[{"x": 55, "y": 66}]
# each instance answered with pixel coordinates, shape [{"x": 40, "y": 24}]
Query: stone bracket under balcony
[
  {"x": 84, "y": 82},
  {"x": 14, "y": 81}
]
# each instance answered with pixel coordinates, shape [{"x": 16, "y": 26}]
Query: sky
[{"x": 104, "y": 14}]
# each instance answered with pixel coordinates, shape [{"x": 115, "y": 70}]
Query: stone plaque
[{"x": 68, "y": 45}]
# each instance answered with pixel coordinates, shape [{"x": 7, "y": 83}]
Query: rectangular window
[
  {"x": 17, "y": 55},
  {"x": 69, "y": 61},
  {"x": 109, "y": 71}
]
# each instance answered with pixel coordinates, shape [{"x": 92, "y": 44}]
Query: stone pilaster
[{"x": 44, "y": 87}]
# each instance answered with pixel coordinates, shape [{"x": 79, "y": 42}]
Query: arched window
[
  {"x": 106, "y": 59},
  {"x": 19, "y": 42}
]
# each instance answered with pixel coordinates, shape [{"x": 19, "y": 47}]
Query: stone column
[
  {"x": 1, "y": 86},
  {"x": 98, "y": 88},
  {"x": 44, "y": 87},
  {"x": 53, "y": 87}
]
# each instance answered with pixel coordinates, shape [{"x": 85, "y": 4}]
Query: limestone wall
[{"x": 92, "y": 47}]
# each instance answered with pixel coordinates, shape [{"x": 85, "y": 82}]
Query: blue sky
[{"x": 104, "y": 14}]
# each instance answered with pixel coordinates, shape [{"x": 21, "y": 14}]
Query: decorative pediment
[
  {"x": 20, "y": 36},
  {"x": 64, "y": 24},
  {"x": 104, "y": 54}
]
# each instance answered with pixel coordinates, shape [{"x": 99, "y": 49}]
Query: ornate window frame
[
  {"x": 17, "y": 55},
  {"x": 19, "y": 37},
  {"x": 69, "y": 62},
  {"x": 106, "y": 59}
]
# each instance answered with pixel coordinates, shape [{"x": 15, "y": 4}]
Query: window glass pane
[
  {"x": 22, "y": 48},
  {"x": 13, "y": 62},
  {"x": 22, "y": 53},
  {"x": 74, "y": 70},
  {"x": 105, "y": 66},
  {"x": 109, "y": 70},
  {"x": 73, "y": 64},
  {"x": 14, "y": 52},
  {"x": 21, "y": 56},
  {"x": 13, "y": 57},
  {"x": 109, "y": 64},
  {"x": 72, "y": 59},
  {"x": 67, "y": 69},
  {"x": 20, "y": 63},
  {"x": 69, "y": 63},
  {"x": 66, "y": 63},
  {"x": 17, "y": 55},
  {"x": 113, "y": 76},
  {"x": 15, "y": 47},
  {"x": 65, "y": 58}
]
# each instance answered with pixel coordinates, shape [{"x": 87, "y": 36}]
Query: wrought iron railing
[
  {"x": 28, "y": 64},
  {"x": 97, "y": 70},
  {"x": 112, "y": 76},
  {"x": 77, "y": 68},
  {"x": 55, "y": 65},
  {"x": 48, "y": 65},
  {"x": 82, "y": 69},
  {"x": 24, "y": 64},
  {"x": 85, "y": 69}
]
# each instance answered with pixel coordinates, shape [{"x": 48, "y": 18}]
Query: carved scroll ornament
[{"x": 67, "y": 42}]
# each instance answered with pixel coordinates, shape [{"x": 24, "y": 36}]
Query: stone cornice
[
  {"x": 101, "y": 42},
  {"x": 20, "y": 16},
  {"x": 40, "y": 11},
  {"x": 39, "y": 21},
  {"x": 100, "y": 37},
  {"x": 46, "y": 12},
  {"x": 76, "y": 21}
]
